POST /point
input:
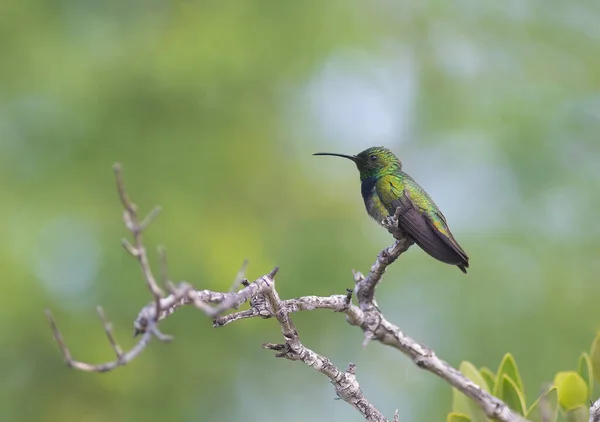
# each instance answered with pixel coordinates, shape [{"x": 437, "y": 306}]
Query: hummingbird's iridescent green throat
[{"x": 385, "y": 188}]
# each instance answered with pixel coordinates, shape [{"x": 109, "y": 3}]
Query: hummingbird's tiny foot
[{"x": 389, "y": 223}]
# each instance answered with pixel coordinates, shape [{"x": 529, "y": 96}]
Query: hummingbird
[{"x": 385, "y": 188}]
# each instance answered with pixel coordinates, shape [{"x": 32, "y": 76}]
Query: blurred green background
[{"x": 214, "y": 108}]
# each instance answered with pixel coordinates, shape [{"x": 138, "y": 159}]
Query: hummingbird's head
[{"x": 372, "y": 162}]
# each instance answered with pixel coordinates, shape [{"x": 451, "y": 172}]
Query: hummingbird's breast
[{"x": 373, "y": 204}]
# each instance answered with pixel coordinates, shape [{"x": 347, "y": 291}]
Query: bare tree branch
[
  {"x": 108, "y": 329},
  {"x": 264, "y": 302},
  {"x": 336, "y": 303},
  {"x": 345, "y": 383},
  {"x": 365, "y": 289},
  {"x": 595, "y": 411},
  {"x": 122, "y": 358},
  {"x": 375, "y": 326},
  {"x": 137, "y": 250}
]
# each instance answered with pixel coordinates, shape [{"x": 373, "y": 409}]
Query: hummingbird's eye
[{"x": 373, "y": 157}]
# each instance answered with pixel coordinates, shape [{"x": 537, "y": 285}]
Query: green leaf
[
  {"x": 545, "y": 408},
  {"x": 513, "y": 397},
  {"x": 578, "y": 414},
  {"x": 462, "y": 404},
  {"x": 595, "y": 356},
  {"x": 488, "y": 376},
  {"x": 458, "y": 417},
  {"x": 572, "y": 389},
  {"x": 508, "y": 366},
  {"x": 585, "y": 369}
]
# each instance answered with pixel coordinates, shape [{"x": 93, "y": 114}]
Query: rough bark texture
[
  {"x": 595, "y": 411},
  {"x": 264, "y": 302}
]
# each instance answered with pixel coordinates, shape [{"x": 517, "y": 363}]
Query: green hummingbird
[{"x": 385, "y": 188}]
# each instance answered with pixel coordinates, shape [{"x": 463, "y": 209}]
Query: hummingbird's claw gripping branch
[{"x": 391, "y": 224}]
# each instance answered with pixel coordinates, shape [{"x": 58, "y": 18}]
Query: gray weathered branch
[
  {"x": 376, "y": 327},
  {"x": 264, "y": 302},
  {"x": 595, "y": 411},
  {"x": 345, "y": 383}
]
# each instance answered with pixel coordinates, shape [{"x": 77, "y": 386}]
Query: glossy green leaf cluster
[{"x": 565, "y": 400}]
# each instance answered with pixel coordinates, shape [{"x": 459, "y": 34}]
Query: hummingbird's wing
[{"x": 429, "y": 229}]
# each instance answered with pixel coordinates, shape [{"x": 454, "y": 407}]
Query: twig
[
  {"x": 139, "y": 252},
  {"x": 136, "y": 228},
  {"x": 365, "y": 289},
  {"x": 164, "y": 267},
  {"x": 240, "y": 277},
  {"x": 108, "y": 329},
  {"x": 122, "y": 358},
  {"x": 345, "y": 383},
  {"x": 595, "y": 411},
  {"x": 234, "y": 300},
  {"x": 336, "y": 303}
]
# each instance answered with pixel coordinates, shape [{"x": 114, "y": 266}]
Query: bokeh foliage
[
  {"x": 213, "y": 108},
  {"x": 567, "y": 398}
]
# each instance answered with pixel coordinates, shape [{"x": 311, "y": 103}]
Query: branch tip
[
  {"x": 117, "y": 169},
  {"x": 150, "y": 218},
  {"x": 273, "y": 272},
  {"x": 358, "y": 276},
  {"x": 368, "y": 337},
  {"x": 129, "y": 206},
  {"x": 166, "y": 338},
  {"x": 164, "y": 266},
  {"x": 108, "y": 330},
  {"x": 171, "y": 288},
  {"x": 240, "y": 277},
  {"x": 273, "y": 346},
  {"x": 132, "y": 250}
]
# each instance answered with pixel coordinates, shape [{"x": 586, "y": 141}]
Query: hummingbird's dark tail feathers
[
  {"x": 453, "y": 244},
  {"x": 441, "y": 248},
  {"x": 422, "y": 230}
]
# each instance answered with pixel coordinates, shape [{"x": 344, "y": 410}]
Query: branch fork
[{"x": 264, "y": 302}]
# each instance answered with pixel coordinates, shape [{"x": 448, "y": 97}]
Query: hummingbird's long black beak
[{"x": 349, "y": 157}]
